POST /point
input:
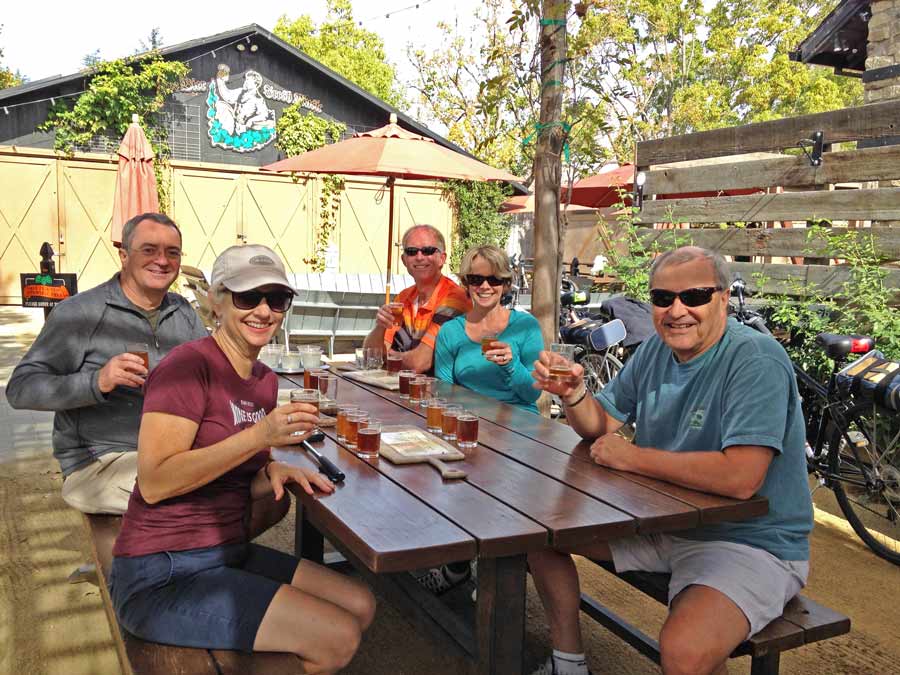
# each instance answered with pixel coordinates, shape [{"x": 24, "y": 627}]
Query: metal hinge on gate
[{"x": 817, "y": 144}]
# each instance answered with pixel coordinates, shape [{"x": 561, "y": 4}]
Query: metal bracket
[{"x": 817, "y": 143}]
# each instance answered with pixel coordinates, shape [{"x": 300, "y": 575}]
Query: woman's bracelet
[{"x": 584, "y": 392}]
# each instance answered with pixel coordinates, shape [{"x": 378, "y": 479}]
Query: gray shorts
[{"x": 755, "y": 580}]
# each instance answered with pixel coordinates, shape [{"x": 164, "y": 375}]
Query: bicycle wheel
[
  {"x": 864, "y": 463},
  {"x": 599, "y": 369}
]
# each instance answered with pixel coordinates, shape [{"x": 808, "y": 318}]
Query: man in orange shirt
[{"x": 433, "y": 300}]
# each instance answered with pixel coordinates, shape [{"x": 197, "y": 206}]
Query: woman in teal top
[{"x": 504, "y": 371}]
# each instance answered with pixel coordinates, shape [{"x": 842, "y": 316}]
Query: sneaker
[
  {"x": 441, "y": 579},
  {"x": 547, "y": 668}
]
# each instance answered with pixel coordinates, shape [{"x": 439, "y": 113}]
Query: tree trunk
[{"x": 547, "y": 171}]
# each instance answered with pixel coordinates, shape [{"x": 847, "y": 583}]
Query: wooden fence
[{"x": 771, "y": 223}]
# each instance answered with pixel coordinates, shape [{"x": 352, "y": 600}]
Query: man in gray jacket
[{"x": 79, "y": 366}]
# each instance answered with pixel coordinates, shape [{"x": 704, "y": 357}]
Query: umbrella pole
[{"x": 390, "y": 238}]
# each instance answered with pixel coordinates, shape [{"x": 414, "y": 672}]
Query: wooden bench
[
  {"x": 138, "y": 657},
  {"x": 802, "y": 622}
]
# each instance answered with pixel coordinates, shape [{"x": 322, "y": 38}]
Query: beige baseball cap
[{"x": 242, "y": 268}]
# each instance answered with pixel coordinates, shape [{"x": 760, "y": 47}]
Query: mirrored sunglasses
[
  {"x": 691, "y": 297},
  {"x": 478, "y": 279},
  {"x": 426, "y": 250},
  {"x": 278, "y": 301}
]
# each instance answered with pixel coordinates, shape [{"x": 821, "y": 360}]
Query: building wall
[{"x": 68, "y": 202}]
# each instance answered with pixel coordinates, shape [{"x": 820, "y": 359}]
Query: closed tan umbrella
[
  {"x": 135, "y": 180},
  {"x": 394, "y": 152}
]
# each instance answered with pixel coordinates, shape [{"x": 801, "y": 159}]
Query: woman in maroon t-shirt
[{"x": 184, "y": 572}]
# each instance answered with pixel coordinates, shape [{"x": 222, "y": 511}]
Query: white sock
[{"x": 565, "y": 663}]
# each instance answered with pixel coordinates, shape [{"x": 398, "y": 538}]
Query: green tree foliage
[
  {"x": 117, "y": 89},
  {"x": 342, "y": 45},
  {"x": 638, "y": 69},
  {"x": 478, "y": 220},
  {"x": 7, "y": 77},
  {"x": 298, "y": 131}
]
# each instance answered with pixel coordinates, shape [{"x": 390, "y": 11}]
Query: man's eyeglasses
[
  {"x": 478, "y": 279},
  {"x": 150, "y": 251},
  {"x": 691, "y": 297},
  {"x": 278, "y": 301},
  {"x": 411, "y": 251}
]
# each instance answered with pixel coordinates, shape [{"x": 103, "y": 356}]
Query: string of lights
[
  {"x": 53, "y": 99},
  {"x": 388, "y": 15}
]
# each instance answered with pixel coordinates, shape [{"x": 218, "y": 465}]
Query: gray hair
[
  {"x": 686, "y": 254},
  {"x": 436, "y": 233},
  {"x": 129, "y": 227}
]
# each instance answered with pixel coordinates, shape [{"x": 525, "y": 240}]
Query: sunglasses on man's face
[
  {"x": 278, "y": 301},
  {"x": 411, "y": 251},
  {"x": 691, "y": 297},
  {"x": 478, "y": 279}
]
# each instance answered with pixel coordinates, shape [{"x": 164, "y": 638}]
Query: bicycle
[{"x": 853, "y": 444}]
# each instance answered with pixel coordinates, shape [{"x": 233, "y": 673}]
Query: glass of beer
[
  {"x": 355, "y": 422},
  {"x": 396, "y": 309},
  {"x": 427, "y": 390},
  {"x": 405, "y": 377},
  {"x": 559, "y": 369},
  {"x": 467, "y": 430},
  {"x": 417, "y": 390},
  {"x": 487, "y": 341},
  {"x": 394, "y": 363},
  {"x": 433, "y": 409},
  {"x": 344, "y": 411},
  {"x": 368, "y": 439},
  {"x": 328, "y": 386},
  {"x": 308, "y": 396},
  {"x": 311, "y": 378},
  {"x": 449, "y": 415},
  {"x": 141, "y": 349}
]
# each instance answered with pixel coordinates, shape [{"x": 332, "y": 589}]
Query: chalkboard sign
[{"x": 47, "y": 290}]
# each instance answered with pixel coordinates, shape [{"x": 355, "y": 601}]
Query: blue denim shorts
[{"x": 213, "y": 598}]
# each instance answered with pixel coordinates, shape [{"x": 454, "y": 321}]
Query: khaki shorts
[
  {"x": 753, "y": 579},
  {"x": 103, "y": 486}
]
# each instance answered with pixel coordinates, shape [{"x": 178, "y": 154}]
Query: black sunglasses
[
  {"x": 691, "y": 297},
  {"x": 426, "y": 250},
  {"x": 478, "y": 279},
  {"x": 278, "y": 301}
]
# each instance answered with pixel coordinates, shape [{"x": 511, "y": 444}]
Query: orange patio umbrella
[
  {"x": 393, "y": 152},
  {"x": 135, "y": 181}
]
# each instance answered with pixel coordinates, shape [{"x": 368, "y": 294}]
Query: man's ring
[
  {"x": 290, "y": 419},
  {"x": 296, "y": 433}
]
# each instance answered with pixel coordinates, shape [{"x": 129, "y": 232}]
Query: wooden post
[{"x": 547, "y": 169}]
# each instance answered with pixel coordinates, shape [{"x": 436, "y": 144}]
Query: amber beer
[
  {"x": 343, "y": 412},
  {"x": 308, "y": 396},
  {"x": 394, "y": 363},
  {"x": 433, "y": 417},
  {"x": 448, "y": 422},
  {"x": 354, "y": 423},
  {"x": 417, "y": 389},
  {"x": 368, "y": 442},
  {"x": 560, "y": 371},
  {"x": 405, "y": 377},
  {"x": 467, "y": 430},
  {"x": 486, "y": 343},
  {"x": 397, "y": 312},
  {"x": 311, "y": 379}
]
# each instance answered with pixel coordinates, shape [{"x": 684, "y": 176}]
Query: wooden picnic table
[{"x": 530, "y": 484}]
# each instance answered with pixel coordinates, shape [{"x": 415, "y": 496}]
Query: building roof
[{"x": 840, "y": 41}]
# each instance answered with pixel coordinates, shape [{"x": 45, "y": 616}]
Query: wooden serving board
[{"x": 412, "y": 445}]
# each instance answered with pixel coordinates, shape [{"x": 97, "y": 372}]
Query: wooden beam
[
  {"x": 881, "y": 204},
  {"x": 802, "y": 280},
  {"x": 848, "y": 124},
  {"x": 789, "y": 171},
  {"x": 772, "y": 241}
]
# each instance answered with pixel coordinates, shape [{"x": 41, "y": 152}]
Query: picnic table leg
[
  {"x": 500, "y": 614},
  {"x": 308, "y": 541}
]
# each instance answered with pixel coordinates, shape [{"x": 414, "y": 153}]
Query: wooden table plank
[
  {"x": 571, "y": 516},
  {"x": 384, "y": 526}
]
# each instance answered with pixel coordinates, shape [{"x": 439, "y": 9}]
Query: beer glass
[
  {"x": 405, "y": 377},
  {"x": 355, "y": 422},
  {"x": 449, "y": 417},
  {"x": 467, "y": 430},
  {"x": 328, "y": 387},
  {"x": 560, "y": 370},
  {"x": 433, "y": 409},
  {"x": 344, "y": 412},
  {"x": 368, "y": 439}
]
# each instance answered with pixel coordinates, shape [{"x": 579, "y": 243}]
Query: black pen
[{"x": 326, "y": 466}]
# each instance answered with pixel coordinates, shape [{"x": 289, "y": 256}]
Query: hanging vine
[
  {"x": 134, "y": 85},
  {"x": 299, "y": 132}
]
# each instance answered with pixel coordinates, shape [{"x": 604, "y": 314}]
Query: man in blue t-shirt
[{"x": 715, "y": 408}]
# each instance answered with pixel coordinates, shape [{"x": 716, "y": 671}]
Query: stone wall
[{"x": 883, "y": 49}]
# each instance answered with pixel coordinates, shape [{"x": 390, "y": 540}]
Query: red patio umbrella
[
  {"x": 603, "y": 189},
  {"x": 135, "y": 181},
  {"x": 393, "y": 152}
]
